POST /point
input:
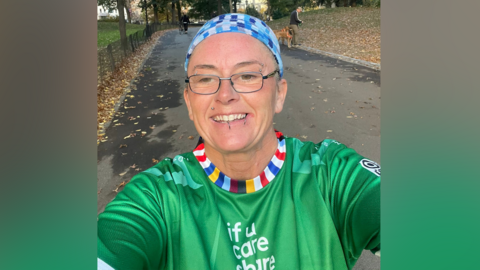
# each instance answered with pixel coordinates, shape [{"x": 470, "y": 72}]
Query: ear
[
  {"x": 187, "y": 101},
  {"x": 281, "y": 95}
]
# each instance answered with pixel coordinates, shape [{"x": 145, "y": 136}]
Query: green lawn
[{"x": 107, "y": 32}]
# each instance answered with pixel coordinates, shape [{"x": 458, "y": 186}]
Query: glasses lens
[
  {"x": 247, "y": 82},
  {"x": 204, "y": 84}
]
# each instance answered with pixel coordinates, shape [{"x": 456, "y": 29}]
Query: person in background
[
  {"x": 185, "y": 21},
  {"x": 294, "y": 21}
]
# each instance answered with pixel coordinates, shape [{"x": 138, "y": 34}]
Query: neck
[{"x": 246, "y": 164}]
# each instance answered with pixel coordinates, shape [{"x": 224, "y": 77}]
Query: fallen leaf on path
[
  {"x": 325, "y": 100},
  {"x": 152, "y": 127},
  {"x": 303, "y": 136},
  {"x": 122, "y": 174},
  {"x": 190, "y": 137},
  {"x": 119, "y": 186},
  {"x": 123, "y": 145},
  {"x": 144, "y": 133},
  {"x": 329, "y": 131},
  {"x": 155, "y": 161}
]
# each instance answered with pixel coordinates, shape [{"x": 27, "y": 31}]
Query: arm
[
  {"x": 131, "y": 230},
  {"x": 297, "y": 19},
  {"x": 352, "y": 189}
]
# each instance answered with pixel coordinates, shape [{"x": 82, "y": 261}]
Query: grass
[
  {"x": 352, "y": 32},
  {"x": 107, "y": 32}
]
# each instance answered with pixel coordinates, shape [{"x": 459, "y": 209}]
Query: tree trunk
[
  {"x": 234, "y": 6},
  {"x": 155, "y": 13},
  {"x": 121, "y": 24},
  {"x": 179, "y": 9},
  {"x": 173, "y": 11},
  {"x": 219, "y": 7},
  {"x": 230, "y": 3}
]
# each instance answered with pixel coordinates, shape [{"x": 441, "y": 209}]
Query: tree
[
  {"x": 206, "y": 9},
  {"x": 219, "y": 7},
  {"x": 250, "y": 10},
  {"x": 121, "y": 24},
  {"x": 120, "y": 6}
]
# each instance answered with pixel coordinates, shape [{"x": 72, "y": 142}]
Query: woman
[
  {"x": 185, "y": 20},
  {"x": 247, "y": 197}
]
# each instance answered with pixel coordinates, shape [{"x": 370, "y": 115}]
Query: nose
[{"x": 226, "y": 94}]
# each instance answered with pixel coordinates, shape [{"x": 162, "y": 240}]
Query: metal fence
[{"x": 109, "y": 58}]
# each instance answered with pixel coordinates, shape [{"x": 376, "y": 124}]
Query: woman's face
[{"x": 223, "y": 55}]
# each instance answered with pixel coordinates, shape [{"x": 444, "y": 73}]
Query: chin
[{"x": 231, "y": 142}]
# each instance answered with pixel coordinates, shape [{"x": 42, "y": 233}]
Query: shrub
[
  {"x": 371, "y": 3},
  {"x": 250, "y": 10},
  {"x": 110, "y": 19},
  {"x": 277, "y": 14}
]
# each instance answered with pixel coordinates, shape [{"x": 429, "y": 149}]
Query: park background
[{"x": 429, "y": 141}]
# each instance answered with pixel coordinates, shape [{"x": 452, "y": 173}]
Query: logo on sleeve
[{"x": 371, "y": 166}]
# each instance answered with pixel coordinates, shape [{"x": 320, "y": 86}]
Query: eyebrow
[{"x": 238, "y": 65}]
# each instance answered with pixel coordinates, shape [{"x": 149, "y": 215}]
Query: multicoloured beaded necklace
[{"x": 247, "y": 186}]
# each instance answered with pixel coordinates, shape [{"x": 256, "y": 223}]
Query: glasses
[{"x": 245, "y": 82}]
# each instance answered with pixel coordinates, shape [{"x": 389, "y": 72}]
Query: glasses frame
[{"x": 187, "y": 80}]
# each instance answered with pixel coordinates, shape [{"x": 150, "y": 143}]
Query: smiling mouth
[{"x": 230, "y": 118}]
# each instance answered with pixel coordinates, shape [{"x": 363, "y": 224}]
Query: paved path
[{"x": 327, "y": 98}]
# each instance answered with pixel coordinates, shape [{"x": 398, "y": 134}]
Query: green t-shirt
[{"x": 319, "y": 212}]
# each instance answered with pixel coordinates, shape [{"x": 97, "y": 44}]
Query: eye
[
  {"x": 205, "y": 80},
  {"x": 248, "y": 77}
]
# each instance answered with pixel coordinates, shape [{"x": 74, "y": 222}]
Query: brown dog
[{"x": 284, "y": 34}]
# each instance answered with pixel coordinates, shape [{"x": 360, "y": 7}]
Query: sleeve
[
  {"x": 352, "y": 191},
  {"x": 131, "y": 230}
]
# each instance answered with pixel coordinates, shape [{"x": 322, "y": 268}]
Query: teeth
[{"x": 229, "y": 118}]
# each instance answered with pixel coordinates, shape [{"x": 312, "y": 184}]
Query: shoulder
[
  {"x": 308, "y": 147},
  {"x": 173, "y": 173}
]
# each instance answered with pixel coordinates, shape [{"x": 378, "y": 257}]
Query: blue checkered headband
[{"x": 238, "y": 23}]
